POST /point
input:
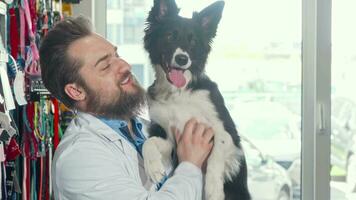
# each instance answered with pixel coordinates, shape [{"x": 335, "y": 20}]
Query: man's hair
[{"x": 58, "y": 68}]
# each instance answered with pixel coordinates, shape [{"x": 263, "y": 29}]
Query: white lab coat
[{"x": 94, "y": 162}]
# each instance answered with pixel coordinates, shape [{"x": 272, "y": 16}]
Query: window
[
  {"x": 114, "y": 4},
  {"x": 125, "y": 29},
  {"x": 138, "y": 70},
  {"x": 343, "y": 101},
  {"x": 258, "y": 66},
  {"x": 114, "y": 33}
]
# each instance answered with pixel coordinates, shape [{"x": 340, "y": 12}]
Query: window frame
[{"x": 316, "y": 99}]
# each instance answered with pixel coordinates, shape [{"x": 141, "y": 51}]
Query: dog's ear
[
  {"x": 209, "y": 17},
  {"x": 162, "y": 9}
]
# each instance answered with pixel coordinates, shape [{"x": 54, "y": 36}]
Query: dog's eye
[
  {"x": 169, "y": 36},
  {"x": 191, "y": 39}
]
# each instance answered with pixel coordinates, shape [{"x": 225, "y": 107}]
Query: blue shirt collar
[
  {"x": 120, "y": 127},
  {"x": 118, "y": 123}
]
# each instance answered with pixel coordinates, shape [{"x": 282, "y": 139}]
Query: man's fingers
[
  {"x": 188, "y": 128},
  {"x": 176, "y": 133},
  {"x": 177, "y": 137},
  {"x": 199, "y": 130},
  {"x": 210, "y": 145},
  {"x": 208, "y": 135},
  {"x": 174, "y": 130}
]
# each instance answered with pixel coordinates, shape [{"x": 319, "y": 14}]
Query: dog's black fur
[{"x": 165, "y": 32}]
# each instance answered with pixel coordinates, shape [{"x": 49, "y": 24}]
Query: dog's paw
[
  {"x": 214, "y": 189},
  {"x": 155, "y": 170},
  {"x": 154, "y": 167}
]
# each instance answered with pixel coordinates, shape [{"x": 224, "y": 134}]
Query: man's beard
[{"x": 125, "y": 106}]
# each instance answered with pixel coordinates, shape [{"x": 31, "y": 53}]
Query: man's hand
[{"x": 194, "y": 143}]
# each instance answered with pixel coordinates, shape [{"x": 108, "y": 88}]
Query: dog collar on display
[
  {"x": 49, "y": 182},
  {"x": 40, "y": 186},
  {"x": 32, "y": 67},
  {"x": 34, "y": 179},
  {"x": 6, "y": 89},
  {"x": 14, "y": 39},
  {"x": 18, "y": 84},
  {"x": 56, "y": 123},
  {"x": 24, "y": 179},
  {"x": 22, "y": 32}
]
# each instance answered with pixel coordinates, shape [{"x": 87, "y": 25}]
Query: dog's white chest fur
[
  {"x": 176, "y": 108},
  {"x": 179, "y": 107}
]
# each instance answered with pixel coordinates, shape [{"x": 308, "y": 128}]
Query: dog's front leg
[
  {"x": 156, "y": 153},
  {"x": 214, "y": 178}
]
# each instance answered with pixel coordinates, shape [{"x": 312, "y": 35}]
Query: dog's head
[{"x": 178, "y": 46}]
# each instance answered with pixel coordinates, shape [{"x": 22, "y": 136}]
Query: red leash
[{"x": 56, "y": 124}]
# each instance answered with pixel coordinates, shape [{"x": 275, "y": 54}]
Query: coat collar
[
  {"x": 96, "y": 126},
  {"x": 87, "y": 123}
]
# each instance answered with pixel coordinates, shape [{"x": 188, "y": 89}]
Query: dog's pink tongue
[{"x": 177, "y": 77}]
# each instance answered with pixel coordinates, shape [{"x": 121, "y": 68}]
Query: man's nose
[{"x": 123, "y": 66}]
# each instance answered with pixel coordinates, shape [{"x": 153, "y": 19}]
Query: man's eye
[{"x": 106, "y": 67}]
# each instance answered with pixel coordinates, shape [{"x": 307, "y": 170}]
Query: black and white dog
[{"x": 178, "y": 49}]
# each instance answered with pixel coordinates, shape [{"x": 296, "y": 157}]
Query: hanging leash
[
  {"x": 22, "y": 32},
  {"x": 32, "y": 67},
  {"x": 50, "y": 153},
  {"x": 18, "y": 84},
  {"x": 6, "y": 89},
  {"x": 14, "y": 39},
  {"x": 33, "y": 179},
  {"x": 24, "y": 179},
  {"x": 56, "y": 123}
]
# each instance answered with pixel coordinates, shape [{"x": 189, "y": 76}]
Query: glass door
[
  {"x": 256, "y": 61},
  {"x": 343, "y": 101}
]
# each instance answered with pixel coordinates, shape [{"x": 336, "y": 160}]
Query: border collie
[{"x": 178, "y": 49}]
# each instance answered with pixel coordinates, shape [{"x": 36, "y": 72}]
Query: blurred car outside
[
  {"x": 275, "y": 131},
  {"x": 267, "y": 180},
  {"x": 343, "y": 139}
]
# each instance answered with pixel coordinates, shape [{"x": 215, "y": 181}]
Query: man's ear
[{"x": 75, "y": 92}]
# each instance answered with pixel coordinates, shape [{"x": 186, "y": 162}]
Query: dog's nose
[{"x": 181, "y": 59}]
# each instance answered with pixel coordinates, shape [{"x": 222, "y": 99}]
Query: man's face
[{"x": 111, "y": 90}]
